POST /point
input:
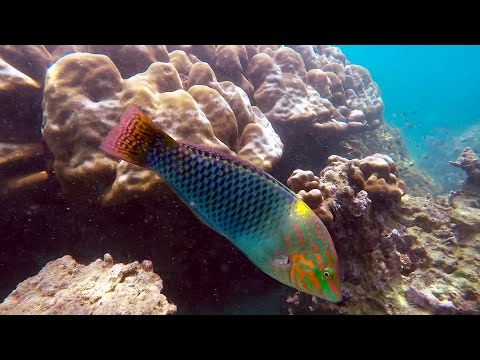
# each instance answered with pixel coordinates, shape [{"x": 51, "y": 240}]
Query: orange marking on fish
[
  {"x": 329, "y": 258},
  {"x": 306, "y": 262},
  {"x": 315, "y": 282},
  {"x": 293, "y": 278},
  {"x": 299, "y": 234},
  {"x": 303, "y": 282},
  {"x": 299, "y": 258},
  {"x": 320, "y": 263},
  {"x": 314, "y": 247},
  {"x": 332, "y": 287},
  {"x": 318, "y": 230},
  {"x": 301, "y": 275}
]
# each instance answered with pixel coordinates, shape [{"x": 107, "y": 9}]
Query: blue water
[{"x": 430, "y": 92}]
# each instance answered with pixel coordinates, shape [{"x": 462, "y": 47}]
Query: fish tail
[{"x": 134, "y": 136}]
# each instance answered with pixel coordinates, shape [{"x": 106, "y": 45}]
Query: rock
[{"x": 64, "y": 287}]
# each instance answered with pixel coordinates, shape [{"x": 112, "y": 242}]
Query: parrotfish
[{"x": 273, "y": 228}]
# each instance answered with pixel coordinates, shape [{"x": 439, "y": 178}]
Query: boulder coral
[
  {"x": 31, "y": 60},
  {"x": 129, "y": 59},
  {"x": 302, "y": 84},
  {"x": 83, "y": 99}
]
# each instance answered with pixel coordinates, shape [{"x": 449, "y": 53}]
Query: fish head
[
  {"x": 306, "y": 258},
  {"x": 299, "y": 270},
  {"x": 320, "y": 281}
]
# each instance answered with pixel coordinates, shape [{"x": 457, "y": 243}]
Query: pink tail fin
[{"x": 133, "y": 137}]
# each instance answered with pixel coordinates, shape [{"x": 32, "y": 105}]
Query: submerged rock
[{"x": 64, "y": 286}]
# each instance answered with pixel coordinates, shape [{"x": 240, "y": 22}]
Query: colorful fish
[{"x": 276, "y": 230}]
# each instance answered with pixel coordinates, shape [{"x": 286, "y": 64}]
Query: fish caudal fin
[{"x": 133, "y": 137}]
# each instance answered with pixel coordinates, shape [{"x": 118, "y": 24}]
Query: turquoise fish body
[{"x": 277, "y": 231}]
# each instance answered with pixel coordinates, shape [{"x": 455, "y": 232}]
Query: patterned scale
[{"x": 234, "y": 198}]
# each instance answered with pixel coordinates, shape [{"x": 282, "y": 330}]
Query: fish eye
[{"x": 326, "y": 273}]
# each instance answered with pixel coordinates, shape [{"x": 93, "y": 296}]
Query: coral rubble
[{"x": 64, "y": 286}]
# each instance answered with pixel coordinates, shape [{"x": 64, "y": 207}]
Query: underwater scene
[{"x": 239, "y": 179}]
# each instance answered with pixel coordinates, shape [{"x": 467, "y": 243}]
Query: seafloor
[{"x": 302, "y": 113}]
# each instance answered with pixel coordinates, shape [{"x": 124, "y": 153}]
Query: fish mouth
[{"x": 335, "y": 298}]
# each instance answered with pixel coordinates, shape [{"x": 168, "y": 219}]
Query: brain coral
[{"x": 85, "y": 95}]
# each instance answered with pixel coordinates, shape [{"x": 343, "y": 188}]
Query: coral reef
[
  {"x": 21, "y": 168},
  {"x": 332, "y": 97},
  {"x": 129, "y": 59},
  {"x": 14, "y": 153},
  {"x": 399, "y": 253},
  {"x": 376, "y": 174},
  {"x": 85, "y": 95},
  {"x": 413, "y": 255},
  {"x": 314, "y": 193},
  {"x": 64, "y": 286},
  {"x": 31, "y": 60},
  {"x": 313, "y": 87},
  {"x": 469, "y": 162},
  {"x": 348, "y": 184},
  {"x": 388, "y": 140},
  {"x": 25, "y": 181}
]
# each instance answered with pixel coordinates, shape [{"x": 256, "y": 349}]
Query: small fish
[
  {"x": 407, "y": 166},
  {"x": 277, "y": 231}
]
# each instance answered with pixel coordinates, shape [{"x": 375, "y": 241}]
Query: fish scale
[
  {"x": 241, "y": 216},
  {"x": 277, "y": 231}
]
